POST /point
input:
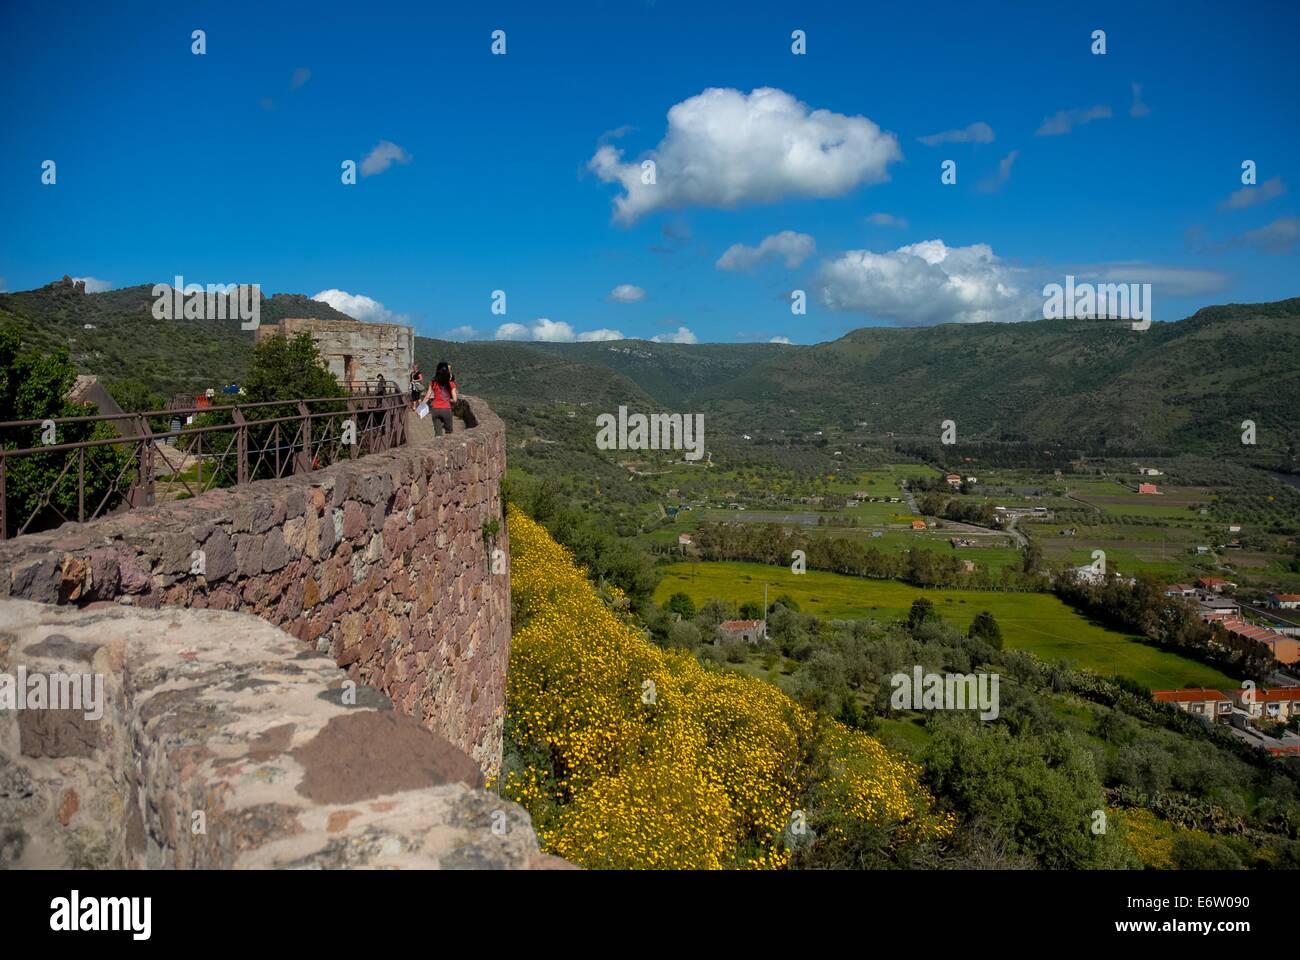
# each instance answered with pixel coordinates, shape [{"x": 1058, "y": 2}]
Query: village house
[
  {"x": 954, "y": 481},
  {"x": 1210, "y": 705},
  {"x": 918, "y": 524},
  {"x": 1180, "y": 590},
  {"x": 1278, "y": 705},
  {"x": 684, "y": 540},
  {"x": 751, "y": 631},
  {"x": 1215, "y": 584},
  {"x": 1150, "y": 472},
  {"x": 1147, "y": 488},
  {"x": 1284, "y": 601}
]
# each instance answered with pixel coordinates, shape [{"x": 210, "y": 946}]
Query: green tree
[
  {"x": 985, "y": 628},
  {"x": 921, "y": 612},
  {"x": 682, "y": 605},
  {"x": 41, "y": 489}
]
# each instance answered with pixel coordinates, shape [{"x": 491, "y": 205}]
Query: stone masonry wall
[
  {"x": 219, "y": 741},
  {"x": 385, "y": 563}
]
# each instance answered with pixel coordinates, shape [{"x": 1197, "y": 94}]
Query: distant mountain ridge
[{"x": 1177, "y": 386}]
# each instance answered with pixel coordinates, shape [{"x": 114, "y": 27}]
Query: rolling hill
[{"x": 1176, "y": 387}]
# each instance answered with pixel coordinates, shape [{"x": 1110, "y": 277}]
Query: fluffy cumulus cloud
[
  {"x": 779, "y": 340},
  {"x": 94, "y": 285},
  {"x": 552, "y": 331},
  {"x": 465, "y": 332},
  {"x": 681, "y": 335},
  {"x": 626, "y": 293},
  {"x": 929, "y": 282},
  {"x": 725, "y": 149},
  {"x": 359, "y": 307},
  {"x": 978, "y": 132},
  {"x": 793, "y": 248},
  {"x": 383, "y": 156},
  {"x": 1063, "y": 121}
]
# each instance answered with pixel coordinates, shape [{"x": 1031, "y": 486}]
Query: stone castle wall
[
  {"x": 219, "y": 741},
  {"x": 353, "y": 350},
  {"x": 385, "y": 563}
]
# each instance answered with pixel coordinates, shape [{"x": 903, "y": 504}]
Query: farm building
[
  {"x": 1285, "y": 601},
  {"x": 1147, "y": 488},
  {"x": 953, "y": 480},
  {"x": 1180, "y": 590},
  {"x": 751, "y": 631},
  {"x": 1285, "y": 649},
  {"x": 918, "y": 524}
]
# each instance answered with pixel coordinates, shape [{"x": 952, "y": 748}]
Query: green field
[{"x": 1037, "y": 622}]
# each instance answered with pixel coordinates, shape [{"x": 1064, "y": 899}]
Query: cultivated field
[{"x": 1030, "y": 621}]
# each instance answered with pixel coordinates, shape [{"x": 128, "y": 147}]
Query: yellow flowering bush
[{"x": 630, "y": 756}]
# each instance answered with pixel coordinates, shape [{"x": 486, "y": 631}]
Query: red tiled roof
[
  {"x": 738, "y": 625},
  {"x": 1287, "y": 597},
  {"x": 1244, "y": 629},
  {"x": 1278, "y": 695},
  {"x": 1190, "y": 694},
  {"x": 1211, "y": 581}
]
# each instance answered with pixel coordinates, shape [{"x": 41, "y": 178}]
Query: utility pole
[{"x": 764, "y": 611}]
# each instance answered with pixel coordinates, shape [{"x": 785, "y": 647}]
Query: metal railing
[{"x": 121, "y": 461}]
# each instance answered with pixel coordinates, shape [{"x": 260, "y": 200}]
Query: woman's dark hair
[{"x": 442, "y": 377}]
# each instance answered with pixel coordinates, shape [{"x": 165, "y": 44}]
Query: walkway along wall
[{"x": 385, "y": 563}]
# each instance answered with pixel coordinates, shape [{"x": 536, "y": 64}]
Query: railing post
[
  {"x": 352, "y": 415},
  {"x": 4, "y": 516},
  {"x": 81, "y": 485},
  {"x": 241, "y": 444},
  {"x": 304, "y": 459}
]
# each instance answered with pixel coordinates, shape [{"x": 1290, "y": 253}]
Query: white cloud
[
  {"x": 552, "y": 331},
  {"x": 626, "y": 293},
  {"x": 300, "y": 76},
  {"x": 928, "y": 282},
  {"x": 725, "y": 148},
  {"x": 779, "y": 340},
  {"x": 382, "y": 157},
  {"x": 994, "y": 182},
  {"x": 978, "y": 132},
  {"x": 793, "y": 248},
  {"x": 1138, "y": 109},
  {"x": 1063, "y": 121},
  {"x": 1280, "y": 236},
  {"x": 95, "y": 286},
  {"x": 465, "y": 332},
  {"x": 1254, "y": 195},
  {"x": 681, "y": 336},
  {"x": 512, "y": 331},
  {"x": 359, "y": 307},
  {"x": 887, "y": 220}
]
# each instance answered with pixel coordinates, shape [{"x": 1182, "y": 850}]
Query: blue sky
[{"x": 225, "y": 167}]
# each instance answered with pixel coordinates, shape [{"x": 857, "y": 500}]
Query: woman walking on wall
[{"x": 440, "y": 397}]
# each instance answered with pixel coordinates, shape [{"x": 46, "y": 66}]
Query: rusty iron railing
[{"x": 225, "y": 445}]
